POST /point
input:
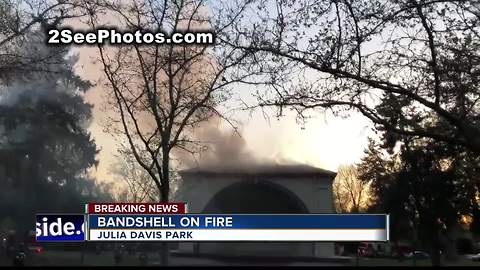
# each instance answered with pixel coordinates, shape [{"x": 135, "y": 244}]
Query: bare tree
[
  {"x": 161, "y": 93},
  {"x": 407, "y": 65},
  {"x": 20, "y": 21},
  {"x": 351, "y": 194},
  {"x": 135, "y": 183}
]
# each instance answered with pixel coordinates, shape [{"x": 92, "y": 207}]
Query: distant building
[{"x": 260, "y": 189}]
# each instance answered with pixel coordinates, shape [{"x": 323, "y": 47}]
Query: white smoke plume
[{"x": 221, "y": 148}]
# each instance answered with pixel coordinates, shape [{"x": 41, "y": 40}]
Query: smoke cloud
[
  {"x": 11, "y": 95},
  {"x": 220, "y": 148},
  {"x": 224, "y": 149}
]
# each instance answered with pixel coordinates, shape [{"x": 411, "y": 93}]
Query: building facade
[{"x": 272, "y": 189}]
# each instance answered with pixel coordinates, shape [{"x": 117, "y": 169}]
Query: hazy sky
[{"x": 325, "y": 141}]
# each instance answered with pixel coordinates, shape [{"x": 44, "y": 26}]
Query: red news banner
[{"x": 136, "y": 208}]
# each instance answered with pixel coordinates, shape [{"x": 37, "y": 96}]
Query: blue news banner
[
  {"x": 213, "y": 227},
  {"x": 60, "y": 227}
]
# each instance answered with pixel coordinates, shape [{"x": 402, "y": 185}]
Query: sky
[{"x": 325, "y": 141}]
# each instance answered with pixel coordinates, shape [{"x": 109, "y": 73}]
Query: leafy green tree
[
  {"x": 45, "y": 147},
  {"x": 380, "y": 170},
  {"x": 425, "y": 184}
]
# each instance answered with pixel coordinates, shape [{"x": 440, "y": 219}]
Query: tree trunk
[
  {"x": 165, "y": 188},
  {"x": 164, "y": 193}
]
